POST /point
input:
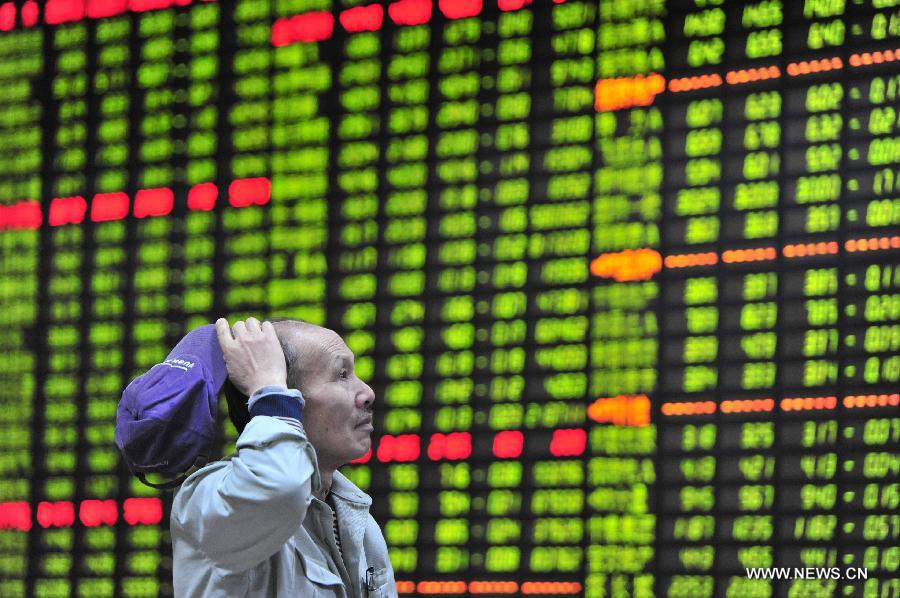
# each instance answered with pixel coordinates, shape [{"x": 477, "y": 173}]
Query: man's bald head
[{"x": 305, "y": 345}]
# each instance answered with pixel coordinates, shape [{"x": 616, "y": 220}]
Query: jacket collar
[{"x": 347, "y": 490}]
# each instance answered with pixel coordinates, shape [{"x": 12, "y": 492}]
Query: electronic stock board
[{"x": 623, "y": 275}]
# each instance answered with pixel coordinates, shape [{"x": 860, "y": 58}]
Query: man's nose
[{"x": 366, "y": 395}]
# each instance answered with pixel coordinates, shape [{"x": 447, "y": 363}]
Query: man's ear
[{"x": 237, "y": 406}]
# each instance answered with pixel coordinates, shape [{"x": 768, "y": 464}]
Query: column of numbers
[
  {"x": 300, "y": 191},
  {"x": 112, "y": 83},
  {"x": 60, "y": 392},
  {"x": 19, "y": 179},
  {"x": 457, "y": 541}
]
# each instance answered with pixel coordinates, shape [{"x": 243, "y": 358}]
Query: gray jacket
[{"x": 250, "y": 526}]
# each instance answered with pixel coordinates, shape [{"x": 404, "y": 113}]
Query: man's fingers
[
  {"x": 223, "y": 331},
  {"x": 252, "y": 325},
  {"x": 251, "y": 355},
  {"x": 268, "y": 331}
]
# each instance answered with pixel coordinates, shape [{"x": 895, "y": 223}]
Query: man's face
[{"x": 338, "y": 412}]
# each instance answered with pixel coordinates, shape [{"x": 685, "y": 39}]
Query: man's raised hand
[{"x": 253, "y": 355}]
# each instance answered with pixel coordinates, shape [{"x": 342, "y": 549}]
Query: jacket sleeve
[{"x": 242, "y": 511}]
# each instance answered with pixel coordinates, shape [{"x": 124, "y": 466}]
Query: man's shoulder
[
  {"x": 204, "y": 472},
  {"x": 189, "y": 487}
]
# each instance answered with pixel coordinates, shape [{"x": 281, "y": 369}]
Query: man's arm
[{"x": 241, "y": 512}]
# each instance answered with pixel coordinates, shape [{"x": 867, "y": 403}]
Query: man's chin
[{"x": 362, "y": 447}]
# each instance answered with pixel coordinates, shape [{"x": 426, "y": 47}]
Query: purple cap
[{"x": 166, "y": 420}]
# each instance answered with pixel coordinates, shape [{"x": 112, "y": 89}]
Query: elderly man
[{"x": 278, "y": 518}]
